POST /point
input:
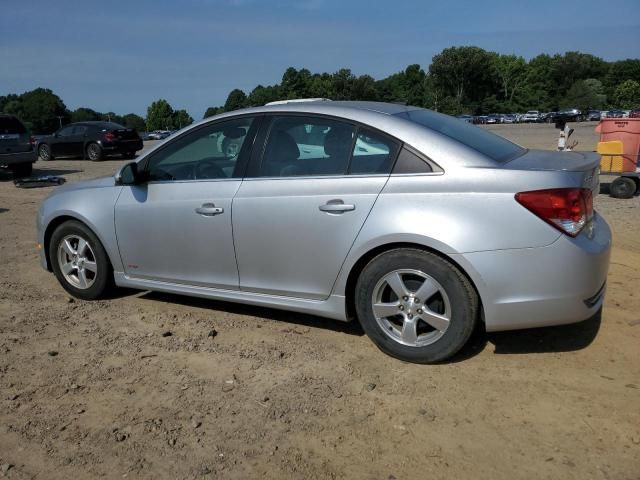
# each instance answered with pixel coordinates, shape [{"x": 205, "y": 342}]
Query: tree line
[
  {"x": 458, "y": 80},
  {"x": 469, "y": 80},
  {"x": 44, "y": 112}
]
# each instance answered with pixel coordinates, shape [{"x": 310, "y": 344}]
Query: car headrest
[
  {"x": 338, "y": 141},
  {"x": 282, "y": 148}
]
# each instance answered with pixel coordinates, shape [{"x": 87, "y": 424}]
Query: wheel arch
[
  {"x": 364, "y": 259},
  {"x": 55, "y": 223}
]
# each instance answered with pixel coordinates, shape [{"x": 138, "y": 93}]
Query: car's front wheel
[
  {"x": 415, "y": 305},
  {"x": 44, "y": 152},
  {"x": 79, "y": 261}
]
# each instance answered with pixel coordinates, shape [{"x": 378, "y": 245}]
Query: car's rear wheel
[
  {"x": 415, "y": 305},
  {"x": 623, "y": 187},
  {"x": 79, "y": 261},
  {"x": 22, "y": 170},
  {"x": 44, "y": 152},
  {"x": 94, "y": 152}
]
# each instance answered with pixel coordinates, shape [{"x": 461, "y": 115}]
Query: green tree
[
  {"x": 262, "y": 95},
  {"x": 237, "y": 99},
  {"x": 41, "y": 109},
  {"x": 84, "y": 114},
  {"x": 627, "y": 94},
  {"x": 131, "y": 120},
  {"x": 585, "y": 95},
  {"x": 510, "y": 70},
  {"x": 211, "y": 111},
  {"x": 181, "y": 119},
  {"x": 159, "y": 115}
]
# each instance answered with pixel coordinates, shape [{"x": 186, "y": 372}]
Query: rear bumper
[
  {"x": 8, "y": 159},
  {"x": 558, "y": 284},
  {"x": 121, "y": 146}
]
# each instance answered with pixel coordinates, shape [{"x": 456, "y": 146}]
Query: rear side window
[
  {"x": 11, "y": 125},
  {"x": 488, "y": 144},
  {"x": 409, "y": 162},
  {"x": 307, "y": 146},
  {"x": 373, "y": 153}
]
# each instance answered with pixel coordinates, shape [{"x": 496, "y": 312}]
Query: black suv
[
  {"x": 92, "y": 140},
  {"x": 17, "y": 151}
]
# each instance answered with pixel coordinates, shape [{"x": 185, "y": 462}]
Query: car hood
[{"x": 100, "y": 182}]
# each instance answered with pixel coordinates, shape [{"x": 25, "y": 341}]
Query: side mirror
[{"x": 128, "y": 175}]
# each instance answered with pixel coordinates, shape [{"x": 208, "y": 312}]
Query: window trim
[
  {"x": 262, "y": 137},
  {"x": 240, "y": 169}
]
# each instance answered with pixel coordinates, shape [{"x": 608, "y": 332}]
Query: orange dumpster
[{"x": 627, "y": 132}]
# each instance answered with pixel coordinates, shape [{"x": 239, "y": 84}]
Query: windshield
[{"x": 493, "y": 146}]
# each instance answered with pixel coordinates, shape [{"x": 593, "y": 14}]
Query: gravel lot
[{"x": 150, "y": 385}]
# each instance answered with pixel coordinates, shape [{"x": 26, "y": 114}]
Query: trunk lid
[
  {"x": 126, "y": 134},
  {"x": 585, "y": 164}
]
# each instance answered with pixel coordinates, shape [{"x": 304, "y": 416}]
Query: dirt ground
[{"x": 149, "y": 385}]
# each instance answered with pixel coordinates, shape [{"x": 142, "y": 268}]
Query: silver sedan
[{"x": 418, "y": 225}]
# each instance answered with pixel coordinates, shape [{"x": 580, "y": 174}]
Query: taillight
[
  {"x": 109, "y": 136},
  {"x": 32, "y": 141},
  {"x": 567, "y": 209}
]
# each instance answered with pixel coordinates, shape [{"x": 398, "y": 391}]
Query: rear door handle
[
  {"x": 336, "y": 206},
  {"x": 209, "y": 210}
]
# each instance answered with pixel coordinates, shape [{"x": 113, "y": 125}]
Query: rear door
[
  {"x": 303, "y": 202},
  {"x": 14, "y": 137}
]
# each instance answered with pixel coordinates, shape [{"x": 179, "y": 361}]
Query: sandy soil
[{"x": 149, "y": 385}]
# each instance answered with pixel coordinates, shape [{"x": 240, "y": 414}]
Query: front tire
[
  {"x": 416, "y": 306},
  {"x": 44, "y": 152},
  {"x": 94, "y": 152},
  {"x": 79, "y": 261}
]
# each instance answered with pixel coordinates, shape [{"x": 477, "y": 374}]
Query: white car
[{"x": 531, "y": 116}]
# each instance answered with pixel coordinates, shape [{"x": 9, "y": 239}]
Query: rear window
[
  {"x": 493, "y": 146},
  {"x": 11, "y": 125}
]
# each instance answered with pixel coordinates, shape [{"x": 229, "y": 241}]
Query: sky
[{"x": 121, "y": 55}]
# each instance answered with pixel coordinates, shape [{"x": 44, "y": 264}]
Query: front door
[
  {"x": 61, "y": 143},
  {"x": 299, "y": 211},
  {"x": 176, "y": 227}
]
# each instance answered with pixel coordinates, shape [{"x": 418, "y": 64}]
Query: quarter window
[
  {"x": 210, "y": 152},
  {"x": 307, "y": 146}
]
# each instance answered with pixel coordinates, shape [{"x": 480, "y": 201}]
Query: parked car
[
  {"x": 568, "y": 115},
  {"x": 593, "y": 115},
  {"x": 509, "y": 118},
  {"x": 635, "y": 113},
  {"x": 465, "y": 118},
  {"x": 345, "y": 210},
  {"x": 615, "y": 114},
  {"x": 531, "y": 116},
  {"x": 494, "y": 118},
  {"x": 159, "y": 134},
  {"x": 92, "y": 140},
  {"x": 17, "y": 150}
]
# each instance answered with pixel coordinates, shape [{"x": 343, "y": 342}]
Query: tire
[
  {"x": 94, "y": 152},
  {"x": 44, "y": 152},
  {"x": 98, "y": 279},
  {"x": 450, "y": 296},
  {"x": 623, "y": 187},
  {"x": 22, "y": 170}
]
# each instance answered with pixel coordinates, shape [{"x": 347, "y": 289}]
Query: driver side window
[{"x": 210, "y": 152}]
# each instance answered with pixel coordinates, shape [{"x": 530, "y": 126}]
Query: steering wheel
[{"x": 206, "y": 169}]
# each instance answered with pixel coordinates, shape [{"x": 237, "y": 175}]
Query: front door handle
[
  {"x": 209, "y": 210},
  {"x": 336, "y": 206}
]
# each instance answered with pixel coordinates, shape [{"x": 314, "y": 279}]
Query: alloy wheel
[
  {"x": 411, "y": 307},
  {"x": 77, "y": 262}
]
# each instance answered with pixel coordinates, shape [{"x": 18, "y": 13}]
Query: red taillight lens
[
  {"x": 109, "y": 137},
  {"x": 32, "y": 141},
  {"x": 567, "y": 209}
]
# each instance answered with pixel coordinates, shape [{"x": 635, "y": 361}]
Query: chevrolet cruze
[{"x": 414, "y": 223}]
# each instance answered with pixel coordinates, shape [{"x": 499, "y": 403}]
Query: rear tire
[
  {"x": 79, "y": 261},
  {"x": 404, "y": 325},
  {"x": 623, "y": 187},
  {"x": 22, "y": 170},
  {"x": 94, "y": 152}
]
